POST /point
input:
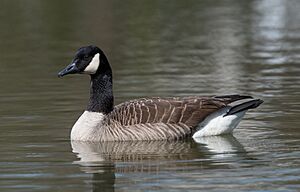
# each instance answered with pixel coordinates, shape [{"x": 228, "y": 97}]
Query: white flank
[
  {"x": 87, "y": 127},
  {"x": 216, "y": 124},
  {"x": 93, "y": 65}
]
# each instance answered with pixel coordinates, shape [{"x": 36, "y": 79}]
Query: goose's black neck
[{"x": 101, "y": 90}]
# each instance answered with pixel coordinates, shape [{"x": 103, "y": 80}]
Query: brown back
[{"x": 189, "y": 111}]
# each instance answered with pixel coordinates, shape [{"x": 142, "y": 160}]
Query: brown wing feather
[{"x": 189, "y": 111}]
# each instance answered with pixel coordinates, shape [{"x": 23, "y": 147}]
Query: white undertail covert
[{"x": 217, "y": 124}]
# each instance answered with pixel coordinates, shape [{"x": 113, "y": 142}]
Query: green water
[{"x": 156, "y": 48}]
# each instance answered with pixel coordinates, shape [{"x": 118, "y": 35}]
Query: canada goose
[{"x": 148, "y": 118}]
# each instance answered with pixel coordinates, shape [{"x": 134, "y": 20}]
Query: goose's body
[{"x": 152, "y": 118}]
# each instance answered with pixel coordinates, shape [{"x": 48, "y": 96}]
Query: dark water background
[{"x": 156, "y": 48}]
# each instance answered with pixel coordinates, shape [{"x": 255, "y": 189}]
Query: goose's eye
[{"x": 85, "y": 57}]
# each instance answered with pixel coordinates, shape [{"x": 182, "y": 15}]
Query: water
[{"x": 156, "y": 48}]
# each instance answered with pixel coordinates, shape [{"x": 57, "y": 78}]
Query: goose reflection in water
[
  {"x": 221, "y": 147},
  {"x": 105, "y": 160}
]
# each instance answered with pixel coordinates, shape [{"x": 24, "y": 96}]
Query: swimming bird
[{"x": 148, "y": 118}]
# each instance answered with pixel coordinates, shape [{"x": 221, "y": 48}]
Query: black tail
[
  {"x": 244, "y": 106},
  {"x": 233, "y": 98}
]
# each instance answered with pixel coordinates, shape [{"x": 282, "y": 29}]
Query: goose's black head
[{"x": 86, "y": 61}]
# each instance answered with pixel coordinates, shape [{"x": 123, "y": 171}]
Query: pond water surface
[{"x": 156, "y": 48}]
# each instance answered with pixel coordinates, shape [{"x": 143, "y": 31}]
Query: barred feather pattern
[{"x": 160, "y": 118}]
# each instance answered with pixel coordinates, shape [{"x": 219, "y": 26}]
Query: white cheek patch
[{"x": 93, "y": 65}]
